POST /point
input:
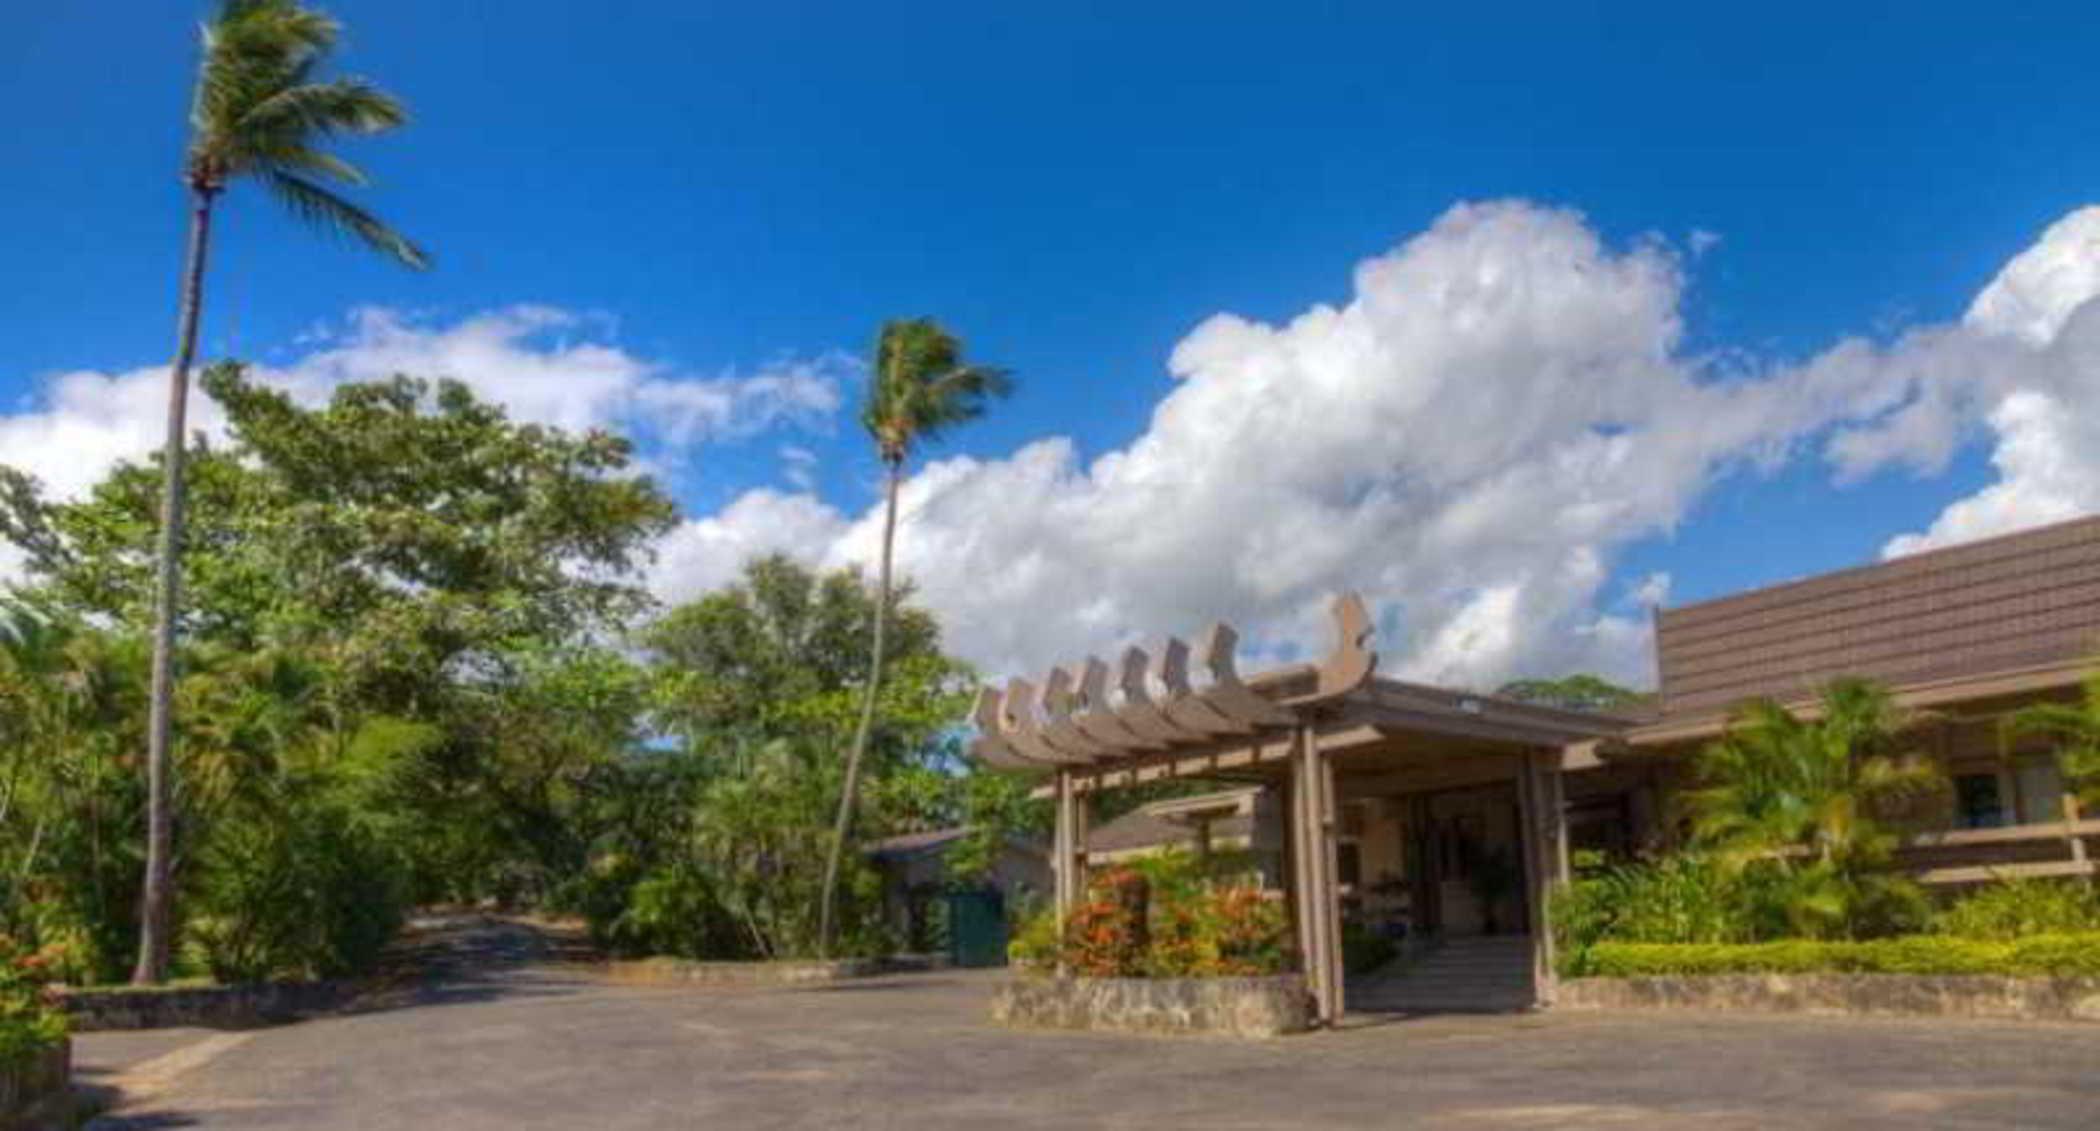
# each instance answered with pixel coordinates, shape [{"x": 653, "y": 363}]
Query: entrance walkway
[{"x": 1471, "y": 974}]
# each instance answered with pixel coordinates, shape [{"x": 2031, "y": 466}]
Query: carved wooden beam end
[{"x": 1351, "y": 663}]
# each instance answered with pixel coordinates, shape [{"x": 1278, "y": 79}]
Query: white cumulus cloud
[
  {"x": 1503, "y": 403},
  {"x": 2029, "y": 374}
]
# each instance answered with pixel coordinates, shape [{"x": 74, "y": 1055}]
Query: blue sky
[{"x": 719, "y": 191}]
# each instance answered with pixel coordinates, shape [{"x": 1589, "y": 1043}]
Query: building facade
[{"x": 1423, "y": 811}]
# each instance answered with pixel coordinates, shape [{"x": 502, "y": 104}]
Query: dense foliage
[
  {"x": 417, "y": 668},
  {"x": 713, "y": 845},
  {"x": 1167, "y": 916},
  {"x": 1794, "y": 823},
  {"x": 2022, "y": 908},
  {"x": 2036, "y": 956},
  {"x": 1809, "y": 811},
  {"x": 30, "y": 1017}
]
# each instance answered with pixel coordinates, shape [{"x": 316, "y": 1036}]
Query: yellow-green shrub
[
  {"x": 2013, "y": 909},
  {"x": 2067, "y": 955}
]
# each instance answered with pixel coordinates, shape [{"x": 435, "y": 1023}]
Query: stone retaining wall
[
  {"x": 211, "y": 1007},
  {"x": 1237, "y": 1007},
  {"x": 1914, "y": 995},
  {"x": 33, "y": 1092},
  {"x": 689, "y": 972}
]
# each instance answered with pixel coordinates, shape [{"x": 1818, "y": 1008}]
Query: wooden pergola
[{"x": 1288, "y": 728}]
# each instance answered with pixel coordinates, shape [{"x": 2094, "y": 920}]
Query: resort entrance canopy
[{"x": 1088, "y": 728}]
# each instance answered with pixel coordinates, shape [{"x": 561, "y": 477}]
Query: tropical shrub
[
  {"x": 1676, "y": 899},
  {"x": 2070, "y": 955},
  {"x": 1108, "y": 934},
  {"x": 1816, "y": 807},
  {"x": 2021, "y": 908},
  {"x": 30, "y": 1017},
  {"x": 296, "y": 889},
  {"x": 1183, "y": 928},
  {"x": 1034, "y": 944},
  {"x": 1252, "y": 932}
]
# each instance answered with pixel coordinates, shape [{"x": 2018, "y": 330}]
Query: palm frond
[
  {"x": 300, "y": 160},
  {"x": 259, "y": 112},
  {"x": 344, "y": 105},
  {"x": 324, "y": 209}
]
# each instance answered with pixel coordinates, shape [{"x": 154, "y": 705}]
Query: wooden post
[
  {"x": 1082, "y": 824},
  {"x": 1292, "y": 806},
  {"x": 1331, "y": 903},
  {"x": 1539, "y": 820},
  {"x": 1317, "y": 903},
  {"x": 1557, "y": 807},
  {"x": 1061, "y": 851}
]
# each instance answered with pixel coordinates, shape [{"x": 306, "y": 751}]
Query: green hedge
[{"x": 2064, "y": 955}]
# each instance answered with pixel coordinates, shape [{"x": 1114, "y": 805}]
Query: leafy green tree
[
  {"x": 401, "y": 580},
  {"x": 781, "y": 653},
  {"x": 258, "y": 112},
  {"x": 1579, "y": 692},
  {"x": 919, "y": 387},
  {"x": 712, "y": 840},
  {"x": 994, "y": 807},
  {"x": 2076, "y": 728},
  {"x": 1820, "y": 802}
]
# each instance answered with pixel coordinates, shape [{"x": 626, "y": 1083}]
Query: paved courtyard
[{"x": 521, "y": 1045}]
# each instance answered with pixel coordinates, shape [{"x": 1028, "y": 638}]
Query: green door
[{"x": 976, "y": 928}]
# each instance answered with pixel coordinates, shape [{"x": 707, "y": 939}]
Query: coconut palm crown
[
  {"x": 921, "y": 387},
  {"x": 260, "y": 112}
]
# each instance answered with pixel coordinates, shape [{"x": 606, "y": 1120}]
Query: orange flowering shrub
[
  {"x": 1108, "y": 934},
  {"x": 1250, "y": 932},
  {"x": 1195, "y": 931}
]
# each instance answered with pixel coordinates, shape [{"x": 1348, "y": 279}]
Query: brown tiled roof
[{"x": 2016, "y": 601}]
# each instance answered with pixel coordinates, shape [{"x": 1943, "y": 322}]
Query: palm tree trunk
[
  {"x": 155, "y": 906},
  {"x": 849, "y": 794}
]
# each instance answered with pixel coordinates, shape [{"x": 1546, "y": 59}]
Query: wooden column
[
  {"x": 1330, "y": 860},
  {"x": 1557, "y": 807},
  {"x": 1315, "y": 902},
  {"x": 1540, "y": 817},
  {"x": 1065, "y": 842}
]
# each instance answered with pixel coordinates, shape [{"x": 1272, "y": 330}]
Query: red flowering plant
[
  {"x": 1107, "y": 935},
  {"x": 30, "y": 1015},
  {"x": 1163, "y": 920}
]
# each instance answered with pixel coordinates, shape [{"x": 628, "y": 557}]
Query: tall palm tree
[
  {"x": 260, "y": 113},
  {"x": 2077, "y": 727},
  {"x": 1822, "y": 797},
  {"x": 919, "y": 388}
]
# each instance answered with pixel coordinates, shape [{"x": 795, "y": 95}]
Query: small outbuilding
[{"x": 933, "y": 913}]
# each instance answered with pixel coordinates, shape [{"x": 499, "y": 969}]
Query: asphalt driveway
[{"x": 523, "y": 1044}]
